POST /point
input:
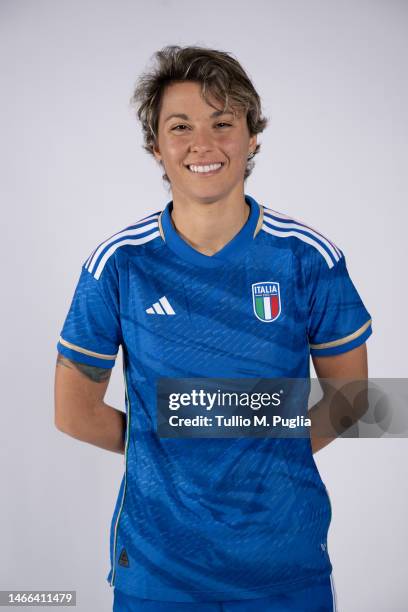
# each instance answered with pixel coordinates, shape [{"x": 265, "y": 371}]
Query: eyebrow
[{"x": 186, "y": 117}]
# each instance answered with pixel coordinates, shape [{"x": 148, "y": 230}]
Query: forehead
[{"x": 186, "y": 97}]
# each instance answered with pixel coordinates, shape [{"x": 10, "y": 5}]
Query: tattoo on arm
[{"x": 94, "y": 373}]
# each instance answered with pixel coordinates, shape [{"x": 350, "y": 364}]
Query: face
[{"x": 203, "y": 135}]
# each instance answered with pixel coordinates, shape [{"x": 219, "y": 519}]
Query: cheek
[
  {"x": 176, "y": 151},
  {"x": 235, "y": 148},
  {"x": 171, "y": 148}
]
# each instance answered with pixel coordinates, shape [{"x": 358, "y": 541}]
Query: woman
[{"x": 215, "y": 285}]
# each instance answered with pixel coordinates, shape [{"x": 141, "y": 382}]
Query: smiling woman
[
  {"x": 214, "y": 285},
  {"x": 200, "y": 115},
  {"x": 222, "y": 83},
  {"x": 206, "y": 147}
]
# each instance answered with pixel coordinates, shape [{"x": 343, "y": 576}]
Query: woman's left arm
[{"x": 350, "y": 366}]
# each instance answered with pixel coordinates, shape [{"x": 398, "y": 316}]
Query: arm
[
  {"x": 351, "y": 365},
  {"x": 79, "y": 407}
]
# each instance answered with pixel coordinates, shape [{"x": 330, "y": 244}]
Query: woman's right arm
[{"x": 79, "y": 407}]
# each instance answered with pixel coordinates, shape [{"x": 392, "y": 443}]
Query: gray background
[{"x": 332, "y": 78}]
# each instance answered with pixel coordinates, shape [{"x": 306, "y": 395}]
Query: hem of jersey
[
  {"x": 81, "y": 349},
  {"x": 194, "y": 596},
  {"x": 343, "y": 348},
  {"x": 83, "y": 358},
  {"x": 345, "y": 339}
]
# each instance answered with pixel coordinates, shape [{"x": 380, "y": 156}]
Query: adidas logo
[{"x": 162, "y": 307}]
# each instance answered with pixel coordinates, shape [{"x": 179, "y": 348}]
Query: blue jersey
[{"x": 229, "y": 518}]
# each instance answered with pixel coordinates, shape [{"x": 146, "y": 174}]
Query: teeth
[{"x": 205, "y": 168}]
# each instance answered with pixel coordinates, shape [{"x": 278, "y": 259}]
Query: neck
[{"x": 209, "y": 226}]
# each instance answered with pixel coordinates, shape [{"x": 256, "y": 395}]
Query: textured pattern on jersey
[{"x": 212, "y": 519}]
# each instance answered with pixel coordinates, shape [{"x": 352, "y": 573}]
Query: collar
[{"x": 229, "y": 252}]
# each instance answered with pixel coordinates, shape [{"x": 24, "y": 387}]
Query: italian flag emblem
[{"x": 266, "y": 301}]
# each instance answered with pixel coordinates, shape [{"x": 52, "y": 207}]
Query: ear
[
  {"x": 156, "y": 153},
  {"x": 252, "y": 143}
]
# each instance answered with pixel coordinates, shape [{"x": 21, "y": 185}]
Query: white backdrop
[{"x": 332, "y": 78}]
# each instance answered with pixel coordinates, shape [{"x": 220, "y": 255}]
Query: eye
[{"x": 182, "y": 125}]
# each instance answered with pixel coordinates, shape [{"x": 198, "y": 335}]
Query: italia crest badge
[{"x": 266, "y": 301}]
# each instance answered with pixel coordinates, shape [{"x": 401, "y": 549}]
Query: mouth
[{"x": 207, "y": 170}]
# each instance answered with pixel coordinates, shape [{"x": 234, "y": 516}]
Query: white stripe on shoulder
[
  {"x": 130, "y": 235},
  {"x": 123, "y": 242},
  {"x": 303, "y": 232},
  {"x": 303, "y": 237},
  {"x": 297, "y": 226},
  {"x": 151, "y": 217},
  {"x": 303, "y": 226}
]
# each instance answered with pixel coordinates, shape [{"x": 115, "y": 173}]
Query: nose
[{"x": 201, "y": 140}]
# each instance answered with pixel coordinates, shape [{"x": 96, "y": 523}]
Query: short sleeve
[
  {"x": 91, "y": 333},
  {"x": 338, "y": 319}
]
